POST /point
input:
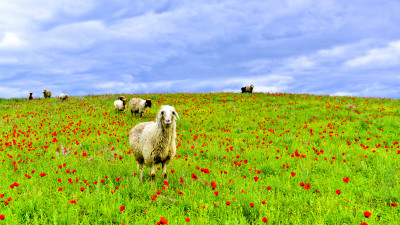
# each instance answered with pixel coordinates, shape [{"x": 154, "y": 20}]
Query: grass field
[{"x": 241, "y": 159}]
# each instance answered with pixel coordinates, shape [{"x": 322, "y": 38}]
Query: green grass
[{"x": 237, "y": 137}]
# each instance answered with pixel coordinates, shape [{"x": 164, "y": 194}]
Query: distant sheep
[
  {"x": 120, "y": 105},
  {"x": 46, "y": 93},
  {"x": 154, "y": 142},
  {"x": 248, "y": 89},
  {"x": 30, "y": 96},
  {"x": 138, "y": 105},
  {"x": 63, "y": 97}
]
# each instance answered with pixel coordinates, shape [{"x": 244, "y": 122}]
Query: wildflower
[
  {"x": 2, "y": 217},
  {"x": 265, "y": 219},
  {"x": 122, "y": 208},
  {"x": 338, "y": 192},
  {"x": 346, "y": 179},
  {"x": 367, "y": 214},
  {"x": 251, "y": 204},
  {"x": 187, "y": 219},
  {"x": 228, "y": 203},
  {"x": 393, "y": 204}
]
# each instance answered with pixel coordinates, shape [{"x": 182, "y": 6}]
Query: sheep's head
[
  {"x": 44, "y": 91},
  {"x": 166, "y": 115},
  {"x": 252, "y": 86},
  {"x": 30, "y": 93},
  {"x": 124, "y": 101},
  {"x": 148, "y": 103},
  {"x": 122, "y": 98}
]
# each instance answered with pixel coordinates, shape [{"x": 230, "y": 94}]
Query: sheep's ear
[{"x": 176, "y": 114}]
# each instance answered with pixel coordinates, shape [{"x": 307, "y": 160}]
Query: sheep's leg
[
  {"x": 141, "y": 172},
  {"x": 153, "y": 175},
  {"x": 164, "y": 170}
]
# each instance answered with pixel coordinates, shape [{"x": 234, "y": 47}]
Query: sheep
[
  {"x": 30, "y": 96},
  {"x": 138, "y": 105},
  {"x": 120, "y": 105},
  {"x": 121, "y": 98},
  {"x": 46, "y": 93},
  {"x": 63, "y": 97},
  {"x": 154, "y": 142},
  {"x": 249, "y": 88},
  {"x": 243, "y": 89}
]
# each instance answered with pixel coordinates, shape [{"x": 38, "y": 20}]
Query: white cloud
[
  {"x": 342, "y": 93},
  {"x": 378, "y": 57},
  {"x": 11, "y": 40}
]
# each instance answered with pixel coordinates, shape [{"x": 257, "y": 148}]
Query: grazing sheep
[
  {"x": 30, "y": 96},
  {"x": 243, "y": 89},
  {"x": 249, "y": 88},
  {"x": 63, "y": 97},
  {"x": 138, "y": 105},
  {"x": 154, "y": 142},
  {"x": 121, "y": 98},
  {"x": 46, "y": 93},
  {"x": 120, "y": 105}
]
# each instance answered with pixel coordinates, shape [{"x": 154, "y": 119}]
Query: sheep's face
[
  {"x": 167, "y": 115},
  {"x": 124, "y": 101},
  {"x": 148, "y": 103}
]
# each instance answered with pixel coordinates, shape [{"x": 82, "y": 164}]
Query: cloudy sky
[{"x": 147, "y": 46}]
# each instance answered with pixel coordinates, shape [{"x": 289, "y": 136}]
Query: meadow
[{"x": 241, "y": 159}]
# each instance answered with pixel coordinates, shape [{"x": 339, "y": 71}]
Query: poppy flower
[
  {"x": 364, "y": 223},
  {"x": 60, "y": 189},
  {"x": 163, "y": 220},
  {"x": 293, "y": 174},
  {"x": 367, "y": 214},
  {"x": 269, "y": 188},
  {"x": 251, "y": 204},
  {"x": 122, "y": 208},
  {"x": 165, "y": 183},
  {"x": 194, "y": 176},
  {"x": 255, "y": 179},
  {"x": 158, "y": 192},
  {"x": 265, "y": 219},
  {"x": 82, "y": 188},
  {"x": 216, "y": 193},
  {"x": 2, "y": 217},
  {"x": 346, "y": 179},
  {"x": 228, "y": 203},
  {"x": 263, "y": 202},
  {"x": 393, "y": 204},
  {"x": 338, "y": 192},
  {"x": 187, "y": 219}
]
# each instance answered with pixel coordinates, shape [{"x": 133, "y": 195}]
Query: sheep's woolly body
[
  {"x": 137, "y": 105},
  {"x": 154, "y": 142},
  {"x": 119, "y": 105},
  {"x": 249, "y": 88},
  {"x": 63, "y": 96},
  {"x": 46, "y": 93}
]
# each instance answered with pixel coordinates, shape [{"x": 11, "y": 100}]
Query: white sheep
[
  {"x": 138, "y": 105},
  {"x": 63, "y": 97},
  {"x": 154, "y": 142},
  {"x": 120, "y": 105}
]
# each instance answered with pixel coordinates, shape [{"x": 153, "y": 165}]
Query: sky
[{"x": 156, "y": 46}]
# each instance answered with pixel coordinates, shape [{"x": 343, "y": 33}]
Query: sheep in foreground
[
  {"x": 30, "y": 96},
  {"x": 46, "y": 93},
  {"x": 154, "y": 142},
  {"x": 138, "y": 105},
  {"x": 249, "y": 88},
  {"x": 63, "y": 97},
  {"x": 120, "y": 105}
]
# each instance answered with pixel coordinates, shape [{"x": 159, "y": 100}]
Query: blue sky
[{"x": 120, "y": 46}]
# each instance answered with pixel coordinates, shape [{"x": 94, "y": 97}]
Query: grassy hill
[{"x": 281, "y": 158}]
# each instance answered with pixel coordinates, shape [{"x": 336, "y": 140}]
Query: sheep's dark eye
[
  {"x": 173, "y": 113},
  {"x": 162, "y": 113}
]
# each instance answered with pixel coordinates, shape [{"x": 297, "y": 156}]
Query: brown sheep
[
  {"x": 30, "y": 96},
  {"x": 46, "y": 93},
  {"x": 249, "y": 88}
]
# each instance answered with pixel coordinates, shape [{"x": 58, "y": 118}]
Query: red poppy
[
  {"x": 165, "y": 183},
  {"x": 154, "y": 197},
  {"x": 393, "y": 204},
  {"x": 255, "y": 179},
  {"x": 2, "y": 217},
  {"x": 158, "y": 192},
  {"x": 263, "y": 202},
  {"x": 216, "y": 193},
  {"x": 364, "y": 223},
  {"x": 251, "y": 204},
  {"x": 265, "y": 219},
  {"x": 367, "y": 214},
  {"x": 338, "y": 192},
  {"x": 82, "y": 188},
  {"x": 60, "y": 189},
  {"x": 293, "y": 174},
  {"x": 301, "y": 184},
  {"x": 122, "y": 208},
  {"x": 163, "y": 220},
  {"x": 228, "y": 203},
  {"x": 194, "y": 176},
  {"x": 187, "y": 219},
  {"x": 346, "y": 179},
  {"x": 269, "y": 188}
]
